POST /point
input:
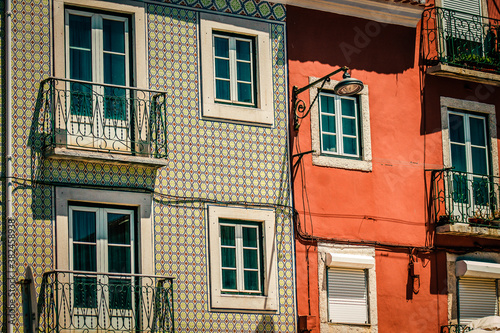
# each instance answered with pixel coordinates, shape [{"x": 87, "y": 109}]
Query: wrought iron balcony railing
[
  {"x": 461, "y": 197},
  {"x": 103, "y": 117},
  {"x": 460, "y": 39},
  {"x": 455, "y": 329},
  {"x": 83, "y": 301}
]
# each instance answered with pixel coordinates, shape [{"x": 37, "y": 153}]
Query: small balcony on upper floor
[
  {"x": 103, "y": 123},
  {"x": 461, "y": 45},
  {"x": 77, "y": 301},
  {"x": 465, "y": 204},
  {"x": 455, "y": 329}
]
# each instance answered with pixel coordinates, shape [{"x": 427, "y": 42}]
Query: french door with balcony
[
  {"x": 472, "y": 191},
  {"x": 97, "y": 52},
  {"x": 102, "y": 257}
]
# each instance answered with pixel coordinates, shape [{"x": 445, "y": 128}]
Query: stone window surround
[
  {"x": 269, "y": 300},
  {"x": 451, "y": 260},
  {"x": 339, "y": 161},
  {"x": 142, "y": 202},
  {"x": 487, "y": 110},
  {"x": 264, "y": 112},
  {"x": 325, "y": 325}
]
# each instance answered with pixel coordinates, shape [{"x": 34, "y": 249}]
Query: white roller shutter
[
  {"x": 472, "y": 7},
  {"x": 347, "y": 296},
  {"x": 477, "y": 299}
]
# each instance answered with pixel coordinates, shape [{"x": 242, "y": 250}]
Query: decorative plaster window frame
[
  {"x": 263, "y": 113},
  {"x": 488, "y": 110},
  {"x": 339, "y": 161},
  {"x": 141, "y": 202},
  {"x": 348, "y": 256},
  {"x": 269, "y": 300}
]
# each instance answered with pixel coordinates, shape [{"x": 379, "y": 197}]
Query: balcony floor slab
[
  {"x": 464, "y": 229},
  {"x": 465, "y": 74}
]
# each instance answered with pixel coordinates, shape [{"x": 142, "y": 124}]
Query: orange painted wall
[{"x": 388, "y": 204}]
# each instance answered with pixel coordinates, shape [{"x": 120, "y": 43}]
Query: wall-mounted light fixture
[{"x": 348, "y": 86}]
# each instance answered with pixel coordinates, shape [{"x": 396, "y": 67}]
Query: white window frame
[
  {"x": 464, "y": 106},
  {"x": 240, "y": 280},
  {"x": 233, "y": 69},
  {"x": 339, "y": 116},
  {"x": 361, "y": 162},
  {"x": 140, "y": 202},
  {"x": 262, "y": 112},
  {"x": 267, "y": 299},
  {"x": 351, "y": 257}
]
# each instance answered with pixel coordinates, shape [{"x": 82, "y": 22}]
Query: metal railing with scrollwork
[
  {"x": 461, "y": 197},
  {"x": 460, "y": 39},
  {"x": 455, "y": 329},
  {"x": 85, "y": 301},
  {"x": 103, "y": 117}
]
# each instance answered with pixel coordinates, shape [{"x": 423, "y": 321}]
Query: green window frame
[
  {"x": 240, "y": 248},
  {"x": 234, "y": 69},
  {"x": 339, "y": 125}
]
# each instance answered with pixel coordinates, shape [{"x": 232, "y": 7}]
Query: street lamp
[{"x": 347, "y": 87}]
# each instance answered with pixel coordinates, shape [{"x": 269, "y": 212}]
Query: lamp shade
[{"x": 348, "y": 86}]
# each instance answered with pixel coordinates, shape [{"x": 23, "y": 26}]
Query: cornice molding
[{"x": 391, "y": 12}]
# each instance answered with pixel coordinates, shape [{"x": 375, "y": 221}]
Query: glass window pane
[
  {"x": 249, "y": 237},
  {"x": 228, "y": 279},
  {"x": 114, "y": 69},
  {"x": 329, "y": 143},
  {"x": 252, "y": 280},
  {"x": 113, "y": 36},
  {"x": 120, "y": 294},
  {"x": 350, "y": 146},
  {"x": 119, "y": 259},
  {"x": 84, "y": 257},
  {"x": 460, "y": 189},
  {"x": 348, "y": 107},
  {"x": 250, "y": 259},
  {"x": 118, "y": 228},
  {"x": 458, "y": 160},
  {"x": 115, "y": 103},
  {"x": 227, "y": 235},
  {"x": 222, "y": 68},
  {"x": 221, "y": 47},
  {"x": 84, "y": 226},
  {"x": 85, "y": 292},
  {"x": 243, "y": 50},
  {"x": 349, "y": 126},
  {"x": 228, "y": 257},
  {"x": 328, "y": 124},
  {"x": 222, "y": 90},
  {"x": 244, "y": 71},
  {"x": 327, "y": 104},
  {"x": 477, "y": 134},
  {"x": 480, "y": 189},
  {"x": 244, "y": 93},
  {"x": 81, "y": 99},
  {"x": 479, "y": 165},
  {"x": 80, "y": 32},
  {"x": 80, "y": 67},
  {"x": 457, "y": 133}
]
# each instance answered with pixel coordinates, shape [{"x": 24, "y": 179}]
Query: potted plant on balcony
[{"x": 478, "y": 219}]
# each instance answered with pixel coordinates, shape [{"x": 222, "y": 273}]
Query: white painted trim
[
  {"x": 354, "y": 252},
  {"x": 340, "y": 161},
  {"x": 469, "y": 268},
  {"x": 349, "y": 260},
  {"x": 269, "y": 300},
  {"x": 263, "y": 113},
  {"x": 141, "y": 201},
  {"x": 381, "y": 11}
]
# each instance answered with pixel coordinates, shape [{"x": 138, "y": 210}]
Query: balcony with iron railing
[
  {"x": 86, "y": 302},
  {"x": 465, "y": 203},
  {"x": 461, "y": 45},
  {"x": 87, "y": 120}
]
